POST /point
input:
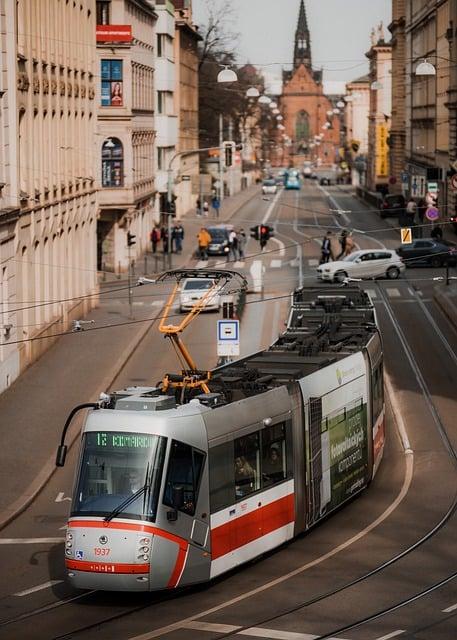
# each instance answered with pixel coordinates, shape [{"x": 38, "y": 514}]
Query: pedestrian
[
  {"x": 164, "y": 236},
  {"x": 411, "y": 210},
  {"x": 215, "y": 204},
  {"x": 198, "y": 207},
  {"x": 350, "y": 245},
  {"x": 205, "y": 208},
  {"x": 437, "y": 232},
  {"x": 242, "y": 241},
  {"x": 421, "y": 209},
  {"x": 155, "y": 238},
  {"x": 233, "y": 245},
  {"x": 178, "y": 237},
  {"x": 326, "y": 247},
  {"x": 203, "y": 238},
  {"x": 343, "y": 239}
]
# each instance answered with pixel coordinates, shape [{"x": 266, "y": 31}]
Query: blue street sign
[
  {"x": 404, "y": 176},
  {"x": 228, "y": 337}
]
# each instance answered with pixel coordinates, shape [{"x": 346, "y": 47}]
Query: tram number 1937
[{"x": 101, "y": 551}]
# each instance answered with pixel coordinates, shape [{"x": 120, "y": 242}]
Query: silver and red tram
[{"x": 170, "y": 493}]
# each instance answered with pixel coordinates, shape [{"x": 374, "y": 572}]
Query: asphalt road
[{"x": 282, "y": 594}]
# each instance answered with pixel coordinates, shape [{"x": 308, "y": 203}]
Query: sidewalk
[
  {"x": 445, "y": 296},
  {"x": 76, "y": 369}
]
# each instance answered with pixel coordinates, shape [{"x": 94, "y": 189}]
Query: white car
[
  {"x": 368, "y": 263},
  {"x": 192, "y": 289},
  {"x": 269, "y": 186}
]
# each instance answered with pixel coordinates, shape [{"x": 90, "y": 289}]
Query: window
[
  {"x": 112, "y": 94},
  {"x": 367, "y": 256},
  {"x": 378, "y": 391},
  {"x": 382, "y": 255},
  {"x": 274, "y": 464},
  {"x": 103, "y": 11},
  {"x": 183, "y": 478},
  {"x": 161, "y": 101},
  {"x": 247, "y": 465},
  {"x": 112, "y": 163},
  {"x": 161, "y": 45}
]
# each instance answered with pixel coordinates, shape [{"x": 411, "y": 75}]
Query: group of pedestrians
[
  {"x": 159, "y": 235},
  {"x": 334, "y": 248},
  {"x": 236, "y": 244}
]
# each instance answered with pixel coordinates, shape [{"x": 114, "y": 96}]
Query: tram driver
[{"x": 244, "y": 477}]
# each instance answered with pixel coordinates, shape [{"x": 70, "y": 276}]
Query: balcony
[
  {"x": 167, "y": 131},
  {"x": 164, "y": 76}
]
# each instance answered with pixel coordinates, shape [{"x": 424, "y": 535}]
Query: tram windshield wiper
[{"x": 125, "y": 503}]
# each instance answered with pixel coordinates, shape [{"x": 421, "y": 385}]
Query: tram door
[
  {"x": 189, "y": 506},
  {"x": 314, "y": 456}
]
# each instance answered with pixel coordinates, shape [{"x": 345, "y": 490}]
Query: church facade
[{"x": 311, "y": 129}]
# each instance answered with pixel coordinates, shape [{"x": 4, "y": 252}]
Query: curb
[{"x": 49, "y": 468}]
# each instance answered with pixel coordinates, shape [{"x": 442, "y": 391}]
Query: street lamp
[
  {"x": 279, "y": 117},
  {"x": 227, "y": 75},
  {"x": 252, "y": 92},
  {"x": 349, "y": 98},
  {"x": 376, "y": 85},
  {"x": 330, "y": 113},
  {"x": 273, "y": 105},
  {"x": 336, "y": 111},
  {"x": 264, "y": 100},
  {"x": 425, "y": 68},
  {"x": 340, "y": 104}
]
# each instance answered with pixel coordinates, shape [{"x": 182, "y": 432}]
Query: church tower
[{"x": 302, "y": 50}]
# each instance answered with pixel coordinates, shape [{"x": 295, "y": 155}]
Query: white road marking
[
  {"x": 259, "y": 632},
  {"x": 275, "y": 328},
  {"x": 449, "y": 609},
  {"x": 271, "y": 207},
  {"x": 31, "y": 540},
  {"x": 276, "y": 264},
  {"x": 394, "y": 634},
  {"x": 372, "y": 293},
  {"x": 61, "y": 497},
  {"x": 39, "y": 587},
  {"x": 211, "y": 626},
  {"x": 201, "y": 264},
  {"x": 393, "y": 293},
  {"x": 282, "y": 248},
  {"x": 409, "y": 463},
  {"x": 157, "y": 303},
  {"x": 313, "y": 262},
  {"x": 239, "y": 264}
]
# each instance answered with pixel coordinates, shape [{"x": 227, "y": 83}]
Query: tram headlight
[
  {"x": 145, "y": 541},
  {"x": 68, "y": 544},
  {"x": 145, "y": 549},
  {"x": 69, "y": 536},
  {"x": 145, "y": 557}
]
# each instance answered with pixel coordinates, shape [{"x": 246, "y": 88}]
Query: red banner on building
[{"x": 114, "y": 33}]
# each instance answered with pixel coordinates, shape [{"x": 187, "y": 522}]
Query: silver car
[
  {"x": 193, "y": 289},
  {"x": 367, "y": 263}
]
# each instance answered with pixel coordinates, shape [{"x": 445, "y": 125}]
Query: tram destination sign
[{"x": 115, "y": 440}]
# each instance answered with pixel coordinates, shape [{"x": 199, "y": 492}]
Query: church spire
[{"x": 302, "y": 51}]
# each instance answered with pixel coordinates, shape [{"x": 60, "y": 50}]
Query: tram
[{"x": 178, "y": 483}]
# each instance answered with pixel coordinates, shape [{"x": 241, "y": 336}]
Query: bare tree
[{"x": 219, "y": 37}]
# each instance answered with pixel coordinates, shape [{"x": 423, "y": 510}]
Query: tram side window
[
  {"x": 274, "y": 462},
  {"x": 221, "y": 476},
  {"x": 247, "y": 465},
  {"x": 183, "y": 477},
  {"x": 378, "y": 390}
]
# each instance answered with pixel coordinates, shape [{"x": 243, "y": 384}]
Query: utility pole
[
  {"x": 221, "y": 158},
  {"x": 230, "y": 137}
]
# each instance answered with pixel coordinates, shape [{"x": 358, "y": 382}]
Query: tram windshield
[{"x": 114, "y": 466}]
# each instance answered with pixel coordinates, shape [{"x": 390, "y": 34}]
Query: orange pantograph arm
[{"x": 172, "y": 331}]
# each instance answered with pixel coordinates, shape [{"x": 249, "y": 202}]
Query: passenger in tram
[
  {"x": 244, "y": 476},
  {"x": 273, "y": 467}
]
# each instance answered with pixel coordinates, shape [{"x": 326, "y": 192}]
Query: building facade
[
  {"x": 125, "y": 130},
  {"x": 48, "y": 192},
  {"x": 312, "y": 130},
  {"x": 166, "y": 120},
  {"x": 397, "y": 140},
  {"x": 356, "y": 115},
  {"x": 187, "y": 169},
  {"x": 379, "y": 120}
]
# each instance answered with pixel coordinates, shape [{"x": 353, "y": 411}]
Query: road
[{"x": 401, "y": 531}]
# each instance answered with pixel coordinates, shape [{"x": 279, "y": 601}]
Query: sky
[{"x": 340, "y": 34}]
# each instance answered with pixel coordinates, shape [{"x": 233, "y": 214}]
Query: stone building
[
  {"x": 356, "y": 123},
  {"x": 307, "y": 112},
  {"x": 125, "y": 129},
  {"x": 187, "y": 180},
  {"x": 397, "y": 138},
  {"x": 380, "y": 74},
  {"x": 47, "y": 182}
]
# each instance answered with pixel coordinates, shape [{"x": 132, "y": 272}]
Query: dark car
[
  {"x": 392, "y": 205},
  {"x": 453, "y": 220},
  {"x": 428, "y": 251},
  {"x": 219, "y": 245}
]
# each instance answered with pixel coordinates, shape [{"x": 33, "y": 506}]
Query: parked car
[
  {"x": 219, "y": 245},
  {"x": 325, "y": 180},
  {"x": 269, "y": 186},
  {"x": 363, "y": 264},
  {"x": 428, "y": 251},
  {"x": 193, "y": 289},
  {"x": 392, "y": 205}
]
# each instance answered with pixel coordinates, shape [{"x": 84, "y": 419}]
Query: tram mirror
[
  {"x": 61, "y": 455},
  {"x": 178, "y": 497}
]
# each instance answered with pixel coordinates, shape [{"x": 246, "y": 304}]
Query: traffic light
[
  {"x": 255, "y": 232},
  {"x": 130, "y": 239},
  {"x": 228, "y": 153},
  {"x": 355, "y": 146},
  {"x": 171, "y": 207}
]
